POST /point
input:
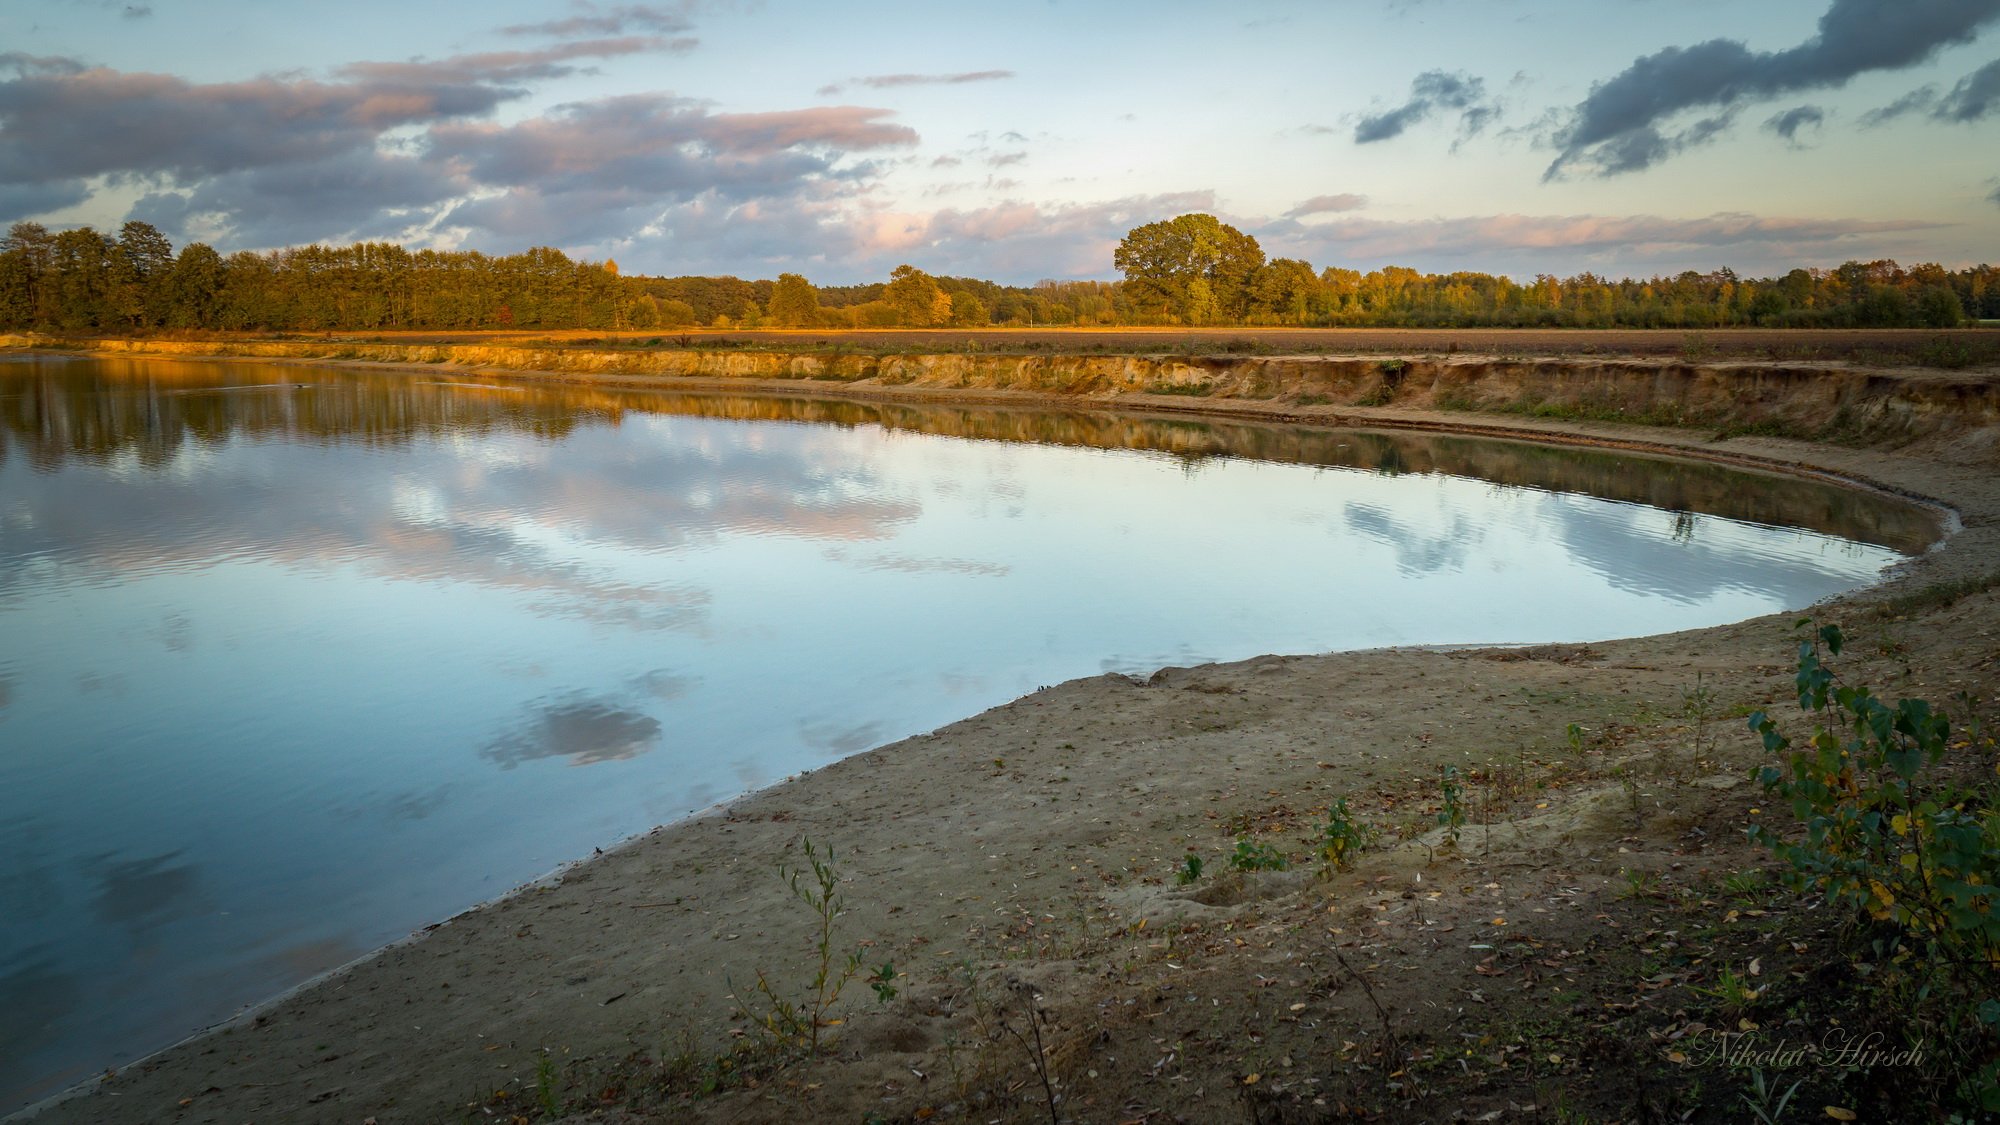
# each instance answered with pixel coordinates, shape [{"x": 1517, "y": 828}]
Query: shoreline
[{"x": 838, "y": 805}]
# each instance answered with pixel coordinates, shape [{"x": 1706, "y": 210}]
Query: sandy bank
[{"x": 1035, "y": 846}]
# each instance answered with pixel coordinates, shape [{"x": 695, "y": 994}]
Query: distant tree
[
  {"x": 968, "y": 311},
  {"x": 193, "y": 287},
  {"x": 916, "y": 297},
  {"x": 794, "y": 302},
  {"x": 1284, "y": 291},
  {"x": 1162, "y": 261}
]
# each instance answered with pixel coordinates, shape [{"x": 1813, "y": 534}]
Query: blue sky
[{"x": 1021, "y": 141}]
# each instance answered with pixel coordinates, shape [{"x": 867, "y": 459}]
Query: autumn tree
[
  {"x": 794, "y": 302},
  {"x": 1194, "y": 267},
  {"x": 918, "y": 300}
]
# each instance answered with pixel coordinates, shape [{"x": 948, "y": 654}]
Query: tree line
[{"x": 1190, "y": 270}]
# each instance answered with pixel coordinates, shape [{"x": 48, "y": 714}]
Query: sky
[{"x": 1019, "y": 142}]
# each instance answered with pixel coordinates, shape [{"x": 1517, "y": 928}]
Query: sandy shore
[{"x": 1024, "y": 860}]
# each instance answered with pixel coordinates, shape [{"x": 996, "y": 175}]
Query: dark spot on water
[{"x": 584, "y": 730}]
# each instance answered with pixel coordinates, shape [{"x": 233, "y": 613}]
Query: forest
[{"x": 1191, "y": 270}]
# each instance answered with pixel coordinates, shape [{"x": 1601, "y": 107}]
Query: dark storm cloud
[
  {"x": 18, "y": 201},
  {"x": 1624, "y": 124},
  {"x": 1788, "y": 123},
  {"x": 1432, "y": 93}
]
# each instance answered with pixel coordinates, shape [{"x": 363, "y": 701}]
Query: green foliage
[
  {"x": 1190, "y": 870},
  {"x": 883, "y": 981},
  {"x": 1452, "y": 815},
  {"x": 1196, "y": 268},
  {"x": 1344, "y": 836},
  {"x": 1253, "y": 856},
  {"x": 1881, "y": 831}
]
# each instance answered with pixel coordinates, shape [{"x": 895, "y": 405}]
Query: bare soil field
[{"x": 1961, "y": 347}]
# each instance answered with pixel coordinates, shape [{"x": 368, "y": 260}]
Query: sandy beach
[{"x": 1010, "y": 882}]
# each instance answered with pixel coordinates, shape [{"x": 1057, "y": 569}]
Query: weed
[
  {"x": 1639, "y": 884},
  {"x": 1573, "y": 734},
  {"x": 1190, "y": 870},
  {"x": 883, "y": 981},
  {"x": 1452, "y": 815},
  {"x": 546, "y": 1094},
  {"x": 1195, "y": 390},
  {"x": 794, "y": 1025},
  {"x": 1250, "y": 856},
  {"x": 1761, "y": 1095},
  {"x": 1343, "y": 835},
  {"x": 1733, "y": 991},
  {"x": 1696, "y": 703}
]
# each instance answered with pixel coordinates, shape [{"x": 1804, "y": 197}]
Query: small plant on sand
[
  {"x": 1452, "y": 815},
  {"x": 1252, "y": 856},
  {"x": 1190, "y": 870},
  {"x": 883, "y": 981},
  {"x": 795, "y": 1024},
  {"x": 1343, "y": 836}
]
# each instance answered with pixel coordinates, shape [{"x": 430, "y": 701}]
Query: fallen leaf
[
  {"x": 1839, "y": 1114},
  {"x": 1252, "y": 1079}
]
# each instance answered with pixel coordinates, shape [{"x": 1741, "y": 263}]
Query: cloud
[
  {"x": 1623, "y": 125},
  {"x": 1974, "y": 97},
  {"x": 351, "y": 197},
  {"x": 890, "y": 81},
  {"x": 505, "y": 66},
  {"x": 59, "y": 122},
  {"x": 19, "y": 201},
  {"x": 1327, "y": 204},
  {"x": 392, "y": 149},
  {"x": 24, "y": 65},
  {"x": 592, "y": 171},
  {"x": 896, "y": 81},
  {"x": 591, "y": 19},
  {"x": 1431, "y": 93},
  {"x": 1585, "y": 232},
  {"x": 1522, "y": 244},
  {"x": 1788, "y": 123},
  {"x": 1917, "y": 100}
]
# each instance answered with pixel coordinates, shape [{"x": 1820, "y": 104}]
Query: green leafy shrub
[
  {"x": 1252, "y": 856},
  {"x": 1884, "y": 829}
]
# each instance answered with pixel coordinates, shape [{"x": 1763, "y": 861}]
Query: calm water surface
[{"x": 293, "y": 661}]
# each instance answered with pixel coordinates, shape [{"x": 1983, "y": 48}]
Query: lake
[{"x": 296, "y": 660}]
